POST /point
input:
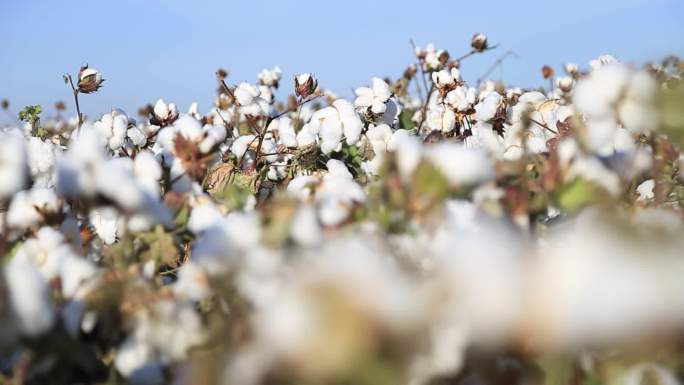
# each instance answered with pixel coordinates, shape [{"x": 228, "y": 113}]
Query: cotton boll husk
[{"x": 29, "y": 297}]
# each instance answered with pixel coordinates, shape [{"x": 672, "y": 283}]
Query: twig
[
  {"x": 420, "y": 67},
  {"x": 78, "y": 108},
  {"x": 543, "y": 125},
  {"x": 497, "y": 63}
]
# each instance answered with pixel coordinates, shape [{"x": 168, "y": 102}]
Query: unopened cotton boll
[{"x": 305, "y": 85}]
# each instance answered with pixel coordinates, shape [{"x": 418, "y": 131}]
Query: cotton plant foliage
[{"x": 428, "y": 230}]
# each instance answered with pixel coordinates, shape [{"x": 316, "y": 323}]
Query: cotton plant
[{"x": 427, "y": 229}]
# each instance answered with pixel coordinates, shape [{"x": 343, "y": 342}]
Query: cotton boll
[
  {"x": 373, "y": 98},
  {"x": 240, "y": 145},
  {"x": 461, "y": 98},
  {"x": 305, "y": 229},
  {"x": 161, "y": 109},
  {"x": 189, "y": 127},
  {"x": 28, "y": 208},
  {"x": 41, "y": 161},
  {"x": 76, "y": 273},
  {"x": 137, "y": 136},
  {"x": 286, "y": 132},
  {"x": 77, "y": 168},
  {"x": 113, "y": 128},
  {"x": 337, "y": 168},
  {"x": 192, "y": 283},
  {"x": 46, "y": 251},
  {"x": 591, "y": 169},
  {"x": 645, "y": 190},
  {"x": 305, "y": 137},
  {"x": 596, "y": 95},
  {"x": 460, "y": 165},
  {"x": 301, "y": 186},
  {"x": 105, "y": 221},
  {"x": 487, "y": 108},
  {"x": 331, "y": 134},
  {"x": 602, "y": 61},
  {"x": 13, "y": 165},
  {"x": 202, "y": 217},
  {"x": 408, "y": 155},
  {"x": 351, "y": 123},
  {"x": 214, "y": 135},
  {"x": 146, "y": 166},
  {"x": 29, "y": 297},
  {"x": 116, "y": 181}
]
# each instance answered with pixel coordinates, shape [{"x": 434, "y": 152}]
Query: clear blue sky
[{"x": 171, "y": 49}]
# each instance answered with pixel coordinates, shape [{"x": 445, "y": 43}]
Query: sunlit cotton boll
[
  {"x": 332, "y": 123},
  {"x": 113, "y": 128},
  {"x": 250, "y": 100},
  {"x": 374, "y": 97}
]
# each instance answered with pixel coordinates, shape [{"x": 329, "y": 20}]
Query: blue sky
[{"x": 170, "y": 49}]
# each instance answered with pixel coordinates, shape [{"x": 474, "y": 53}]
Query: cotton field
[{"x": 426, "y": 230}]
